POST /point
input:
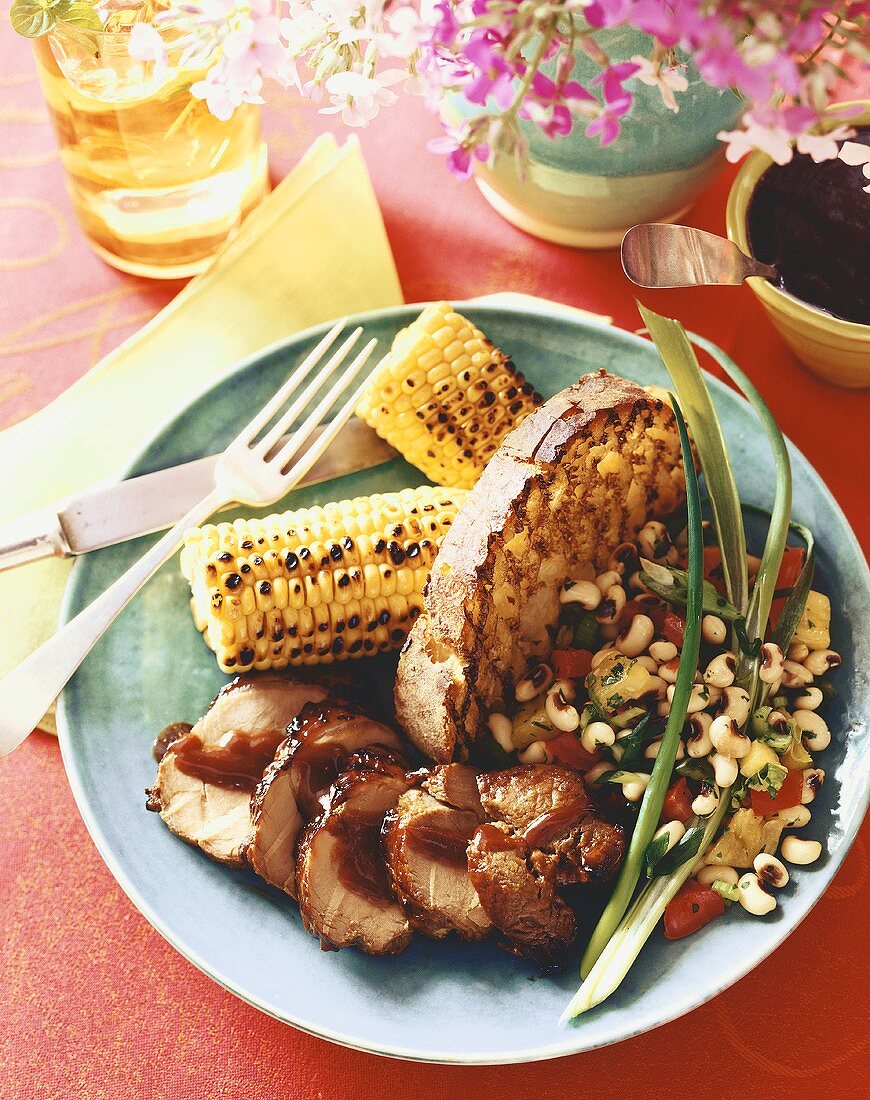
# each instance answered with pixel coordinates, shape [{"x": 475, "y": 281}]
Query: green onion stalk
[
  {"x": 620, "y": 935},
  {"x": 654, "y": 797}
]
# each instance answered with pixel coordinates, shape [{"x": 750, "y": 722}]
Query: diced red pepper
[
  {"x": 790, "y": 569},
  {"x": 788, "y": 795},
  {"x": 654, "y": 611},
  {"x": 567, "y": 748},
  {"x": 678, "y": 803},
  {"x": 571, "y": 664},
  {"x": 674, "y": 628},
  {"x": 713, "y": 568},
  {"x": 693, "y": 907}
]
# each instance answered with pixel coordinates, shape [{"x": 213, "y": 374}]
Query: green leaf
[
  {"x": 791, "y": 614},
  {"x": 32, "y": 18},
  {"x": 758, "y": 609},
  {"x": 645, "y": 730},
  {"x": 654, "y": 852},
  {"x": 80, "y": 15},
  {"x": 654, "y": 796},
  {"x": 769, "y": 778},
  {"x": 676, "y": 591},
  {"x": 681, "y": 363},
  {"x": 686, "y": 848}
]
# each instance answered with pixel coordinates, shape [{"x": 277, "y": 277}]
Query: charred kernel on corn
[
  {"x": 317, "y": 584},
  {"x": 445, "y": 398}
]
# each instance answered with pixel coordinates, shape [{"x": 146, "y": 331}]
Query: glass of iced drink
[{"x": 158, "y": 183}]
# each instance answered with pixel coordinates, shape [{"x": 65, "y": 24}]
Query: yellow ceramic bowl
[{"x": 836, "y": 350}]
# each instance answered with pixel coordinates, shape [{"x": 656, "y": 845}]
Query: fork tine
[
  {"x": 314, "y": 421},
  {"x": 288, "y": 418},
  {"x": 262, "y": 418}
]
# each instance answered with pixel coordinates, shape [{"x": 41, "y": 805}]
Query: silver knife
[{"x": 153, "y": 502}]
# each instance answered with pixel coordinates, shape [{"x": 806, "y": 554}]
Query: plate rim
[{"x": 561, "y": 1049}]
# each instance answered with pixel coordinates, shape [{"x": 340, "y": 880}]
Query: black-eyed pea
[
  {"x": 770, "y": 870},
  {"x": 663, "y": 708},
  {"x": 668, "y": 671},
  {"x": 662, "y": 652},
  {"x": 736, "y": 705},
  {"x": 612, "y": 603},
  {"x": 565, "y": 687},
  {"x": 706, "y": 800},
  {"x": 795, "y": 817},
  {"x": 635, "y": 583},
  {"x": 654, "y": 747},
  {"x": 656, "y": 688},
  {"x": 724, "y": 769},
  {"x": 813, "y": 778},
  {"x": 535, "y": 681},
  {"x": 637, "y": 637},
  {"x": 698, "y": 699},
  {"x": 713, "y": 630},
  {"x": 585, "y": 593},
  {"x": 563, "y": 714},
  {"x": 501, "y": 727},
  {"x": 753, "y": 897},
  {"x": 633, "y": 790},
  {"x": 795, "y": 675},
  {"x": 801, "y": 852},
  {"x": 536, "y": 753},
  {"x": 649, "y": 664},
  {"x": 798, "y": 651},
  {"x": 820, "y": 661},
  {"x": 715, "y": 873},
  {"x": 770, "y": 663},
  {"x": 597, "y": 771},
  {"x": 811, "y": 698},
  {"x": 728, "y": 739},
  {"x": 814, "y": 730},
  {"x": 604, "y": 580},
  {"x": 698, "y": 743},
  {"x": 673, "y": 830},
  {"x": 654, "y": 542},
  {"x": 597, "y": 735},
  {"x": 720, "y": 671},
  {"x": 623, "y": 558}
]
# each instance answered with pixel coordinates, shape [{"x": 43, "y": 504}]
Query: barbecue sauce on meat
[
  {"x": 545, "y": 828},
  {"x": 317, "y": 767},
  {"x": 359, "y": 860},
  {"x": 237, "y": 763},
  {"x": 447, "y": 846}
]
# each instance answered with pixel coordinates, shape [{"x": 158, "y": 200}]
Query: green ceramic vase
[{"x": 576, "y": 193}]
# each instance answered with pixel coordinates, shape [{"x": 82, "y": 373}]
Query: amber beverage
[{"x": 158, "y": 183}]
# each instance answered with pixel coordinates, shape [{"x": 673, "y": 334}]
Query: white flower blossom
[
  {"x": 854, "y": 153},
  {"x": 823, "y": 146},
  {"x": 668, "y": 79},
  {"x": 773, "y": 140}
]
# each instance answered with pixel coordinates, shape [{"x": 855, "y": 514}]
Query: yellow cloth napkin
[{"x": 314, "y": 249}]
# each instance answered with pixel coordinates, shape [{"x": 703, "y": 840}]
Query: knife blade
[{"x": 153, "y": 502}]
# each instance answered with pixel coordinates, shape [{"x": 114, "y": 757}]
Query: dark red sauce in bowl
[{"x": 812, "y": 223}]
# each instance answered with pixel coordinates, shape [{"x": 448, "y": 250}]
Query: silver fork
[{"x": 252, "y": 470}]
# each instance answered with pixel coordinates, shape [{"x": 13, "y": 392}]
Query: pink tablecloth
[{"x": 94, "y": 1004}]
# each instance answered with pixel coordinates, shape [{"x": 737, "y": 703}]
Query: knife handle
[{"x": 31, "y": 537}]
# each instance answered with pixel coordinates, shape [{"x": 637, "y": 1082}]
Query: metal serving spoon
[{"x": 661, "y": 255}]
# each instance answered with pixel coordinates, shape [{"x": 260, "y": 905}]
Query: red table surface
[{"x": 94, "y": 1003}]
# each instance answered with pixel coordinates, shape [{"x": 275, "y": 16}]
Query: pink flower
[
  {"x": 494, "y": 79},
  {"x": 445, "y": 30},
  {"x": 458, "y": 154}
]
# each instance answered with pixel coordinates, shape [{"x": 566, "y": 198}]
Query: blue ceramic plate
[{"x": 440, "y": 1001}]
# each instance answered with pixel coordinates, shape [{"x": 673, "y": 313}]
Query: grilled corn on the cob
[
  {"x": 317, "y": 584},
  {"x": 445, "y": 397}
]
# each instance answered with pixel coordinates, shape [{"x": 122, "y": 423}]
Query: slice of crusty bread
[{"x": 580, "y": 475}]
